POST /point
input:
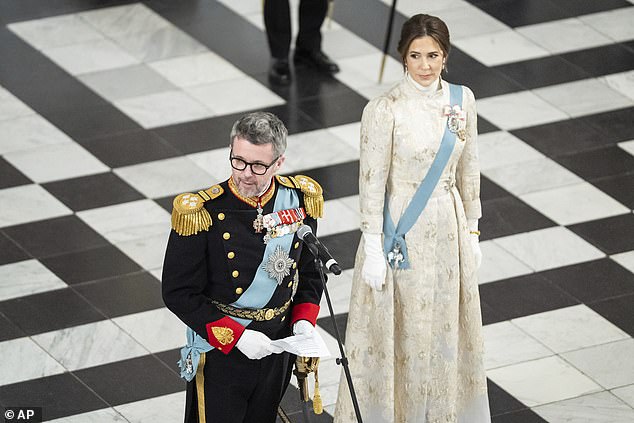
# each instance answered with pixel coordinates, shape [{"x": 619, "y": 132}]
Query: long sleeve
[
  {"x": 377, "y": 125},
  {"x": 468, "y": 169}
]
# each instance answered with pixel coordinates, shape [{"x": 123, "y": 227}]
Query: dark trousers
[{"x": 277, "y": 19}]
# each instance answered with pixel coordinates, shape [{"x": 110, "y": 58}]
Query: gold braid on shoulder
[
  {"x": 189, "y": 215},
  {"x": 313, "y": 195}
]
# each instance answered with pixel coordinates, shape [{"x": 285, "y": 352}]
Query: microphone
[{"x": 305, "y": 233}]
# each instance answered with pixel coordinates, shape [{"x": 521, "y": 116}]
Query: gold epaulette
[
  {"x": 286, "y": 181},
  {"x": 313, "y": 195},
  {"x": 189, "y": 215}
]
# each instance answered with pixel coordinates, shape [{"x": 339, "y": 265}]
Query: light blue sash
[
  {"x": 394, "y": 244},
  {"x": 257, "y": 295}
]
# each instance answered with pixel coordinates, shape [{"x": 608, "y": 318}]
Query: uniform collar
[{"x": 254, "y": 201}]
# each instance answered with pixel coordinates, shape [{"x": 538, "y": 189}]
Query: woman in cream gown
[{"x": 413, "y": 339}]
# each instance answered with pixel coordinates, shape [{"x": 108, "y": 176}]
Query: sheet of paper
[{"x": 312, "y": 345}]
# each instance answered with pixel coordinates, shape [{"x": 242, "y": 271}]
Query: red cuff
[
  {"x": 223, "y": 334},
  {"x": 305, "y": 311}
]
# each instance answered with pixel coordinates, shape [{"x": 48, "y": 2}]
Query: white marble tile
[
  {"x": 549, "y": 248},
  {"x": 352, "y": 202},
  {"x": 315, "y": 149},
  {"x": 625, "y": 259},
  {"x": 105, "y": 415},
  {"x": 56, "y": 31},
  {"x": 439, "y": 7},
  {"x": 361, "y": 73},
  {"x": 11, "y": 107},
  {"x": 166, "y": 408},
  {"x": 243, "y": 7},
  {"x": 626, "y": 393},
  {"x": 349, "y": 133},
  {"x": 579, "y": 98},
  {"x": 29, "y": 203},
  {"x": 25, "y": 278},
  {"x": 128, "y": 82},
  {"x": 148, "y": 252},
  {"x": 530, "y": 176},
  {"x": 89, "y": 345},
  {"x": 500, "y": 47},
  {"x": 627, "y": 146},
  {"x": 467, "y": 21},
  {"x": 574, "y": 203},
  {"x": 161, "y": 44},
  {"x": 542, "y": 381},
  {"x": 28, "y": 132},
  {"x": 594, "y": 408},
  {"x": 157, "y": 273},
  {"x": 610, "y": 373},
  {"x": 616, "y": 24},
  {"x": 63, "y": 161},
  {"x": 338, "y": 217},
  {"x": 216, "y": 163},
  {"x": 92, "y": 56},
  {"x": 161, "y": 178},
  {"x": 518, "y": 110},
  {"x": 124, "y": 20},
  {"x": 163, "y": 109},
  {"x": 127, "y": 221},
  {"x": 570, "y": 328},
  {"x": 157, "y": 330},
  {"x": 23, "y": 359},
  {"x": 564, "y": 35},
  {"x": 622, "y": 82},
  {"x": 501, "y": 147},
  {"x": 497, "y": 263},
  {"x": 339, "y": 287},
  {"x": 197, "y": 69},
  {"x": 235, "y": 95},
  {"x": 506, "y": 344},
  {"x": 341, "y": 43}
]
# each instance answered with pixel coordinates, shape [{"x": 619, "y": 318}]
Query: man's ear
[{"x": 280, "y": 161}]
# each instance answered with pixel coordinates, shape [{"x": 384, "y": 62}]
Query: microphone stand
[{"x": 343, "y": 361}]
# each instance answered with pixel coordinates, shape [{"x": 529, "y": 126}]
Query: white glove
[
  {"x": 256, "y": 345},
  {"x": 475, "y": 241},
  {"x": 374, "y": 267},
  {"x": 303, "y": 327}
]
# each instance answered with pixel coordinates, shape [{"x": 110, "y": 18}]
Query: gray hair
[{"x": 261, "y": 128}]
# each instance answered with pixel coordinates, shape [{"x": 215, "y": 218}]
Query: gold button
[
  {"x": 235, "y": 273},
  {"x": 296, "y": 244},
  {"x": 226, "y": 236},
  {"x": 294, "y": 265},
  {"x": 231, "y": 254},
  {"x": 239, "y": 290},
  {"x": 221, "y": 216},
  {"x": 290, "y": 284},
  {"x": 219, "y": 348}
]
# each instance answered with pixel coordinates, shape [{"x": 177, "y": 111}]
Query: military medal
[
  {"x": 454, "y": 115},
  {"x": 279, "y": 265},
  {"x": 395, "y": 257},
  {"x": 258, "y": 223}
]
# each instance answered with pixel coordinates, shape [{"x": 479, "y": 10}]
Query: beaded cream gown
[{"x": 415, "y": 348}]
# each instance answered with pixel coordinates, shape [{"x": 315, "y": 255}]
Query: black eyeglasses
[{"x": 257, "y": 168}]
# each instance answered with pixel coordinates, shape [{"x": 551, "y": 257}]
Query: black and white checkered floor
[{"x": 109, "y": 108}]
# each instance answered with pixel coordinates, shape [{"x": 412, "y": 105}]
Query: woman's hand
[{"x": 374, "y": 266}]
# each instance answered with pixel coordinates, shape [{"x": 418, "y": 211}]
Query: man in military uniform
[{"x": 236, "y": 274}]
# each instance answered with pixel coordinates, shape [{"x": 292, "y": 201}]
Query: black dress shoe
[
  {"x": 315, "y": 59},
  {"x": 280, "y": 72}
]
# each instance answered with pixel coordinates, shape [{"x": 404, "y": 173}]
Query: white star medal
[{"x": 279, "y": 265}]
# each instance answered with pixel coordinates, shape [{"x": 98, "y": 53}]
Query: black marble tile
[
  {"x": 616, "y": 124},
  {"x": 22, "y": 10},
  {"x": 565, "y": 137},
  {"x": 522, "y": 416},
  {"x": 489, "y": 190},
  {"x": 500, "y": 401},
  {"x": 92, "y": 191},
  {"x": 305, "y": 83},
  {"x": 522, "y": 12},
  {"x": 508, "y": 216},
  {"x": 484, "y": 126},
  {"x": 618, "y": 311},
  {"x": 56, "y": 236},
  {"x": 130, "y": 148},
  {"x": 343, "y": 247},
  {"x": 603, "y": 60},
  {"x": 524, "y": 296},
  {"x": 489, "y": 316},
  {"x": 542, "y": 72},
  {"x": 599, "y": 163},
  {"x": 200, "y": 135},
  {"x": 341, "y": 320},
  {"x": 293, "y": 408},
  {"x": 8, "y": 330},
  {"x": 620, "y": 188},
  {"x": 48, "y": 311},
  {"x": 127, "y": 294},
  {"x": 10, "y": 176},
  {"x": 165, "y": 202},
  {"x": 585, "y": 7},
  {"x": 340, "y": 180},
  {"x": 169, "y": 359},
  {"x": 334, "y": 110},
  {"x": 131, "y": 380},
  {"x": 611, "y": 235},
  {"x": 593, "y": 280},
  {"x": 10, "y": 252},
  {"x": 90, "y": 265},
  {"x": 59, "y": 396}
]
